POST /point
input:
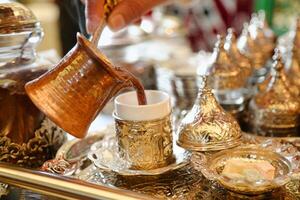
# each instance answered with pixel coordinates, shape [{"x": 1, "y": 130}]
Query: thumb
[{"x": 128, "y": 11}]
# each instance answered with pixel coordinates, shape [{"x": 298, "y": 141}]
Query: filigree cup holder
[
  {"x": 143, "y": 143},
  {"x": 147, "y": 144}
]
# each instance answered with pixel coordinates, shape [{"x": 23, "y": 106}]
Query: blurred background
[{"x": 201, "y": 19}]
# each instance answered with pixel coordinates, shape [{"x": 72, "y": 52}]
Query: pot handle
[{"x": 109, "y": 5}]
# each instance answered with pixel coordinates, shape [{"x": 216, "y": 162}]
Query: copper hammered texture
[
  {"x": 148, "y": 144},
  {"x": 48, "y": 138},
  {"x": 76, "y": 90}
]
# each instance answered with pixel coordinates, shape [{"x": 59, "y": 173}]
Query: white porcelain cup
[
  {"x": 158, "y": 106},
  {"x": 144, "y": 132}
]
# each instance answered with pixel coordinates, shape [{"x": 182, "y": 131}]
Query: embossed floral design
[
  {"x": 147, "y": 143},
  {"x": 207, "y": 126},
  {"x": 48, "y": 138},
  {"x": 276, "y": 106}
]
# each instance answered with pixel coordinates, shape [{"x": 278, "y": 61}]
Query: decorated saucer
[{"x": 105, "y": 156}]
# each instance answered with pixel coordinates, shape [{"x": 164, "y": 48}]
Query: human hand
[{"x": 124, "y": 13}]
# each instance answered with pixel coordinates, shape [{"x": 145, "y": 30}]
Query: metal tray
[{"x": 183, "y": 183}]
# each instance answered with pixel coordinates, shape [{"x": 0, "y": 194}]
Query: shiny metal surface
[
  {"x": 77, "y": 89},
  {"x": 146, "y": 144},
  {"x": 224, "y": 73},
  {"x": 20, "y": 32},
  {"x": 213, "y": 165},
  {"x": 294, "y": 70},
  {"x": 275, "y": 109},
  {"x": 244, "y": 62},
  {"x": 61, "y": 187},
  {"x": 36, "y": 150},
  {"x": 15, "y": 17},
  {"x": 104, "y": 155},
  {"x": 249, "y": 48},
  {"x": 189, "y": 183},
  {"x": 287, "y": 77},
  {"x": 207, "y": 127}
]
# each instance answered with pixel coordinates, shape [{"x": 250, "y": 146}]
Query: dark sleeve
[{"x": 75, "y": 9}]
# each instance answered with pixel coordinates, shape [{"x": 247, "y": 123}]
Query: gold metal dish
[{"x": 212, "y": 166}]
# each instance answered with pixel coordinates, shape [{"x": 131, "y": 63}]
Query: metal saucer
[{"x": 105, "y": 156}]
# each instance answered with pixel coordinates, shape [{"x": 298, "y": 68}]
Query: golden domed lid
[
  {"x": 296, "y": 42},
  {"x": 268, "y": 32},
  {"x": 294, "y": 70},
  {"x": 276, "y": 106},
  {"x": 231, "y": 47},
  {"x": 251, "y": 49},
  {"x": 207, "y": 127},
  {"x": 297, "y": 34},
  {"x": 278, "y": 67},
  {"x": 224, "y": 72},
  {"x": 262, "y": 35},
  {"x": 15, "y": 17}
]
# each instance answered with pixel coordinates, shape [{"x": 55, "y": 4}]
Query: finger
[
  {"x": 128, "y": 11},
  {"x": 94, "y": 13}
]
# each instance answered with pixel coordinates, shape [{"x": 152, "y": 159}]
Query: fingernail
[{"x": 117, "y": 22}]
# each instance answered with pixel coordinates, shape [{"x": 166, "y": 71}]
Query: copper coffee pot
[{"x": 79, "y": 86}]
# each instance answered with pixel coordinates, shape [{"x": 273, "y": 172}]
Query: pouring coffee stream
[{"x": 79, "y": 86}]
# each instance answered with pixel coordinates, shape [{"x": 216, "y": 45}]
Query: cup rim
[
  {"x": 143, "y": 106},
  {"x": 130, "y": 110}
]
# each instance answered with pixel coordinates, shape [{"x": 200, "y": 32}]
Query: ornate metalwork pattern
[
  {"x": 85, "y": 78},
  {"x": 48, "y": 138},
  {"x": 15, "y": 17},
  {"x": 4, "y": 189},
  {"x": 207, "y": 126},
  {"x": 294, "y": 70},
  {"x": 244, "y": 62},
  {"x": 59, "y": 166},
  {"x": 185, "y": 183},
  {"x": 250, "y": 49},
  {"x": 212, "y": 166},
  {"x": 147, "y": 144},
  {"x": 279, "y": 70},
  {"x": 275, "y": 109},
  {"x": 224, "y": 72},
  {"x": 188, "y": 183}
]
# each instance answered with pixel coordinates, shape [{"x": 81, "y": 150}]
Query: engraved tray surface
[{"x": 187, "y": 182}]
